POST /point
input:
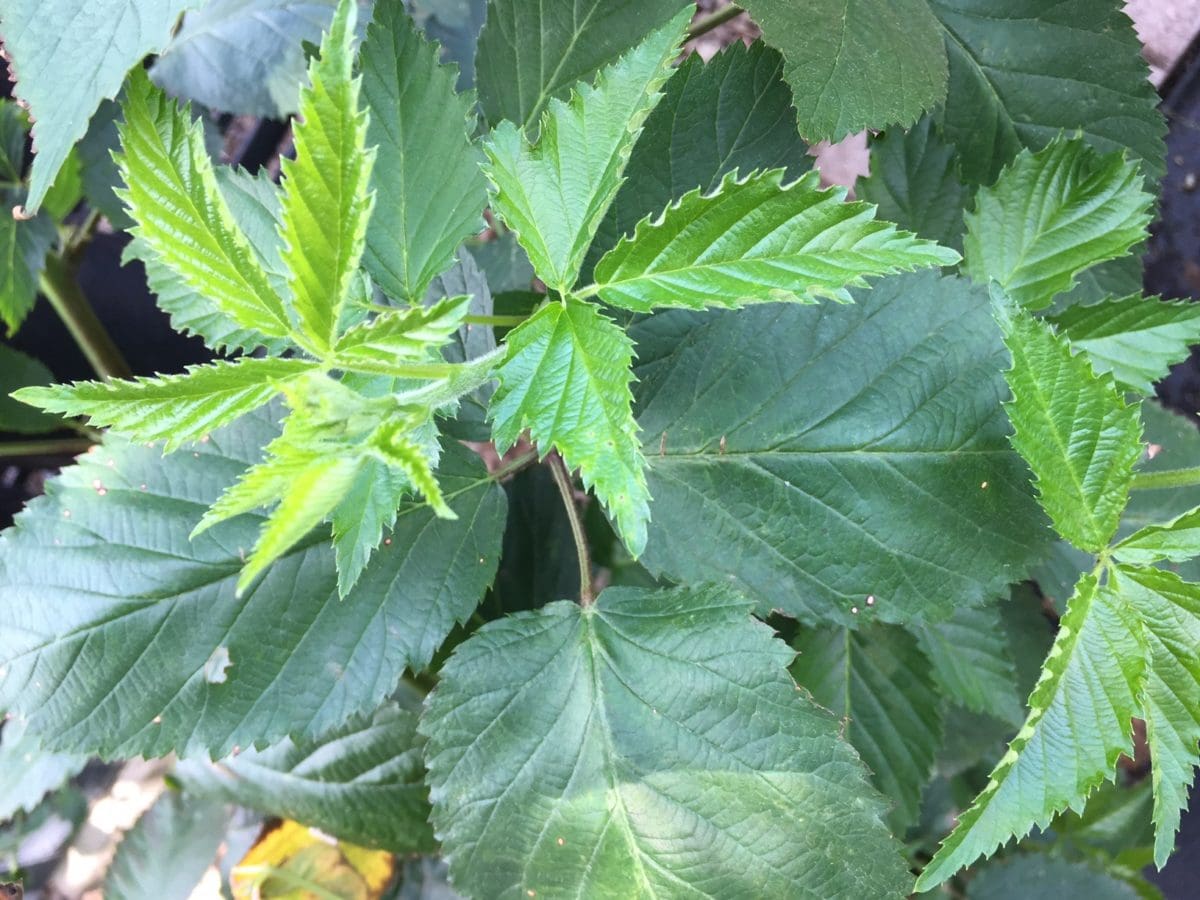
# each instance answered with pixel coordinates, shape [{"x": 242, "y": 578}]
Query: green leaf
[
  {"x": 971, "y": 663},
  {"x": 529, "y": 54},
  {"x": 754, "y": 241},
  {"x": 880, "y": 682},
  {"x": 175, "y": 409},
  {"x": 243, "y": 56},
  {"x": 23, "y": 249},
  {"x": 429, "y": 188},
  {"x": 1169, "y": 608},
  {"x": 1024, "y": 71},
  {"x": 1176, "y": 541},
  {"x": 856, "y": 64},
  {"x": 1038, "y": 876},
  {"x": 914, "y": 182},
  {"x": 732, "y": 112},
  {"x": 27, "y": 772},
  {"x": 641, "y": 747},
  {"x": 566, "y": 378},
  {"x": 101, "y": 178},
  {"x": 70, "y": 55},
  {"x": 1136, "y": 338},
  {"x": 395, "y": 337},
  {"x": 182, "y": 217},
  {"x": 369, "y": 506},
  {"x": 1075, "y": 431},
  {"x": 164, "y": 856},
  {"x": 555, "y": 193},
  {"x": 1051, "y": 215},
  {"x": 1078, "y": 724},
  {"x": 66, "y": 192},
  {"x": 19, "y": 371},
  {"x": 326, "y": 204},
  {"x": 110, "y": 615},
  {"x": 858, "y": 469},
  {"x": 364, "y": 782}
]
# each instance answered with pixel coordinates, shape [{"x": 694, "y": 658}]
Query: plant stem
[
  {"x": 503, "y": 321},
  {"x": 46, "y": 447},
  {"x": 515, "y": 465},
  {"x": 1169, "y": 478},
  {"x": 714, "y": 20},
  {"x": 562, "y": 478},
  {"x": 58, "y": 283}
]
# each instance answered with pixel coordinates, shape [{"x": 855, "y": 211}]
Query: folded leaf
[
  {"x": 878, "y": 681},
  {"x": 1169, "y": 608},
  {"x": 175, "y": 409},
  {"x": 641, "y": 747},
  {"x": 1177, "y": 541},
  {"x": 400, "y": 335},
  {"x": 1136, "y": 338},
  {"x": 754, "y": 241},
  {"x": 429, "y": 190},
  {"x": 1074, "y": 429},
  {"x": 1051, "y": 215},
  {"x": 171, "y": 192},
  {"x": 566, "y": 378},
  {"x": 363, "y": 782},
  {"x": 1079, "y": 724},
  {"x": 326, "y": 204},
  {"x": 110, "y": 615},
  {"x": 555, "y": 192}
]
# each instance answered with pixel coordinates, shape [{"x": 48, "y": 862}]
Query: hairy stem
[
  {"x": 58, "y": 284},
  {"x": 46, "y": 447},
  {"x": 714, "y": 20},
  {"x": 562, "y": 478},
  {"x": 1169, "y": 478},
  {"x": 515, "y": 465}
]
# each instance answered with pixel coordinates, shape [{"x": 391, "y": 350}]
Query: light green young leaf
[
  {"x": 363, "y": 782},
  {"x": 370, "y": 506},
  {"x": 71, "y": 54},
  {"x": 1169, "y": 608},
  {"x": 176, "y": 409},
  {"x": 878, "y": 680},
  {"x": 326, "y": 204},
  {"x": 641, "y": 747},
  {"x": 429, "y": 189},
  {"x": 530, "y": 52},
  {"x": 402, "y": 335},
  {"x": 754, "y": 241},
  {"x": 554, "y": 193},
  {"x": 164, "y": 855},
  {"x": 1136, "y": 338},
  {"x": 856, "y": 65},
  {"x": 1177, "y": 541},
  {"x": 566, "y": 378},
  {"x": 1051, "y": 215},
  {"x": 1079, "y": 724},
  {"x": 1074, "y": 429},
  {"x": 23, "y": 249},
  {"x": 28, "y": 772},
  {"x": 732, "y": 112},
  {"x": 182, "y": 217},
  {"x": 914, "y": 182},
  {"x": 109, "y": 594}
]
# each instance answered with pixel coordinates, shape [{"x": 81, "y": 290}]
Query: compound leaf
[
  {"x": 123, "y": 637},
  {"x": 531, "y": 52},
  {"x": 1074, "y": 429},
  {"x": 1079, "y": 723},
  {"x": 175, "y": 409},
  {"x": 878, "y": 680},
  {"x": 1051, "y": 215},
  {"x": 754, "y": 241},
  {"x": 856, "y": 64},
  {"x": 1169, "y": 608},
  {"x": 641, "y": 747},
  {"x": 429, "y": 190},
  {"x": 566, "y": 378},
  {"x": 363, "y": 782},
  {"x": 859, "y": 469},
  {"x": 68, "y": 56},
  {"x": 554, "y": 193},
  {"x": 1136, "y": 338},
  {"x": 183, "y": 219},
  {"x": 326, "y": 204}
]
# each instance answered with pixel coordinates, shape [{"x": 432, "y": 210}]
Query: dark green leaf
[
  {"x": 18, "y": 371},
  {"x": 1036, "y": 876},
  {"x": 23, "y": 248},
  {"x": 27, "y": 772}
]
